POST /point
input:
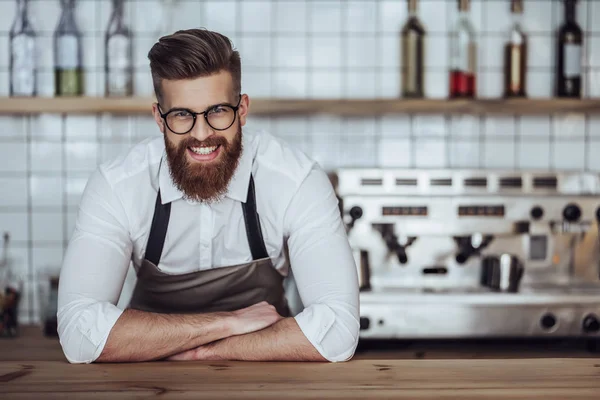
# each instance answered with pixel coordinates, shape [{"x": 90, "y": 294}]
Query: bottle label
[
  {"x": 472, "y": 58},
  {"x": 23, "y": 65},
  {"x": 515, "y": 68},
  {"x": 464, "y": 54},
  {"x": 119, "y": 65},
  {"x": 67, "y": 52},
  {"x": 572, "y": 60},
  {"x": 411, "y": 63}
]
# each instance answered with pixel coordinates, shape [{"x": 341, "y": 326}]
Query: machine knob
[
  {"x": 591, "y": 324},
  {"x": 548, "y": 321},
  {"x": 572, "y": 212},
  {"x": 356, "y": 212},
  {"x": 402, "y": 257},
  {"x": 537, "y": 212},
  {"x": 461, "y": 258}
]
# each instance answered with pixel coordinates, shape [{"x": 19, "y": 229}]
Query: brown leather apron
[{"x": 219, "y": 289}]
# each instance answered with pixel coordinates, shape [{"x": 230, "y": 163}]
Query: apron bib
[{"x": 221, "y": 289}]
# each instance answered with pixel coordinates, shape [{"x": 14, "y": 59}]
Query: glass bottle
[
  {"x": 68, "y": 71},
  {"x": 463, "y": 55},
  {"x": 569, "y": 52},
  {"x": 11, "y": 288},
  {"x": 22, "y": 54},
  {"x": 50, "y": 323},
  {"x": 515, "y": 55},
  {"x": 413, "y": 53},
  {"x": 118, "y": 54}
]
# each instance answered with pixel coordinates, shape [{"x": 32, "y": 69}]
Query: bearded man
[{"x": 211, "y": 217}]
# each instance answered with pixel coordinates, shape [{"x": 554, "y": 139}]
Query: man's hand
[
  {"x": 254, "y": 318},
  {"x": 246, "y": 320},
  {"x": 282, "y": 341}
]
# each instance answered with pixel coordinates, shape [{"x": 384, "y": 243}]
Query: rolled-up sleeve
[
  {"x": 93, "y": 272},
  {"x": 324, "y": 269}
]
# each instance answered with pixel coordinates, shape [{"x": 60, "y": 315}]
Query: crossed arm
[
  {"x": 92, "y": 328},
  {"x": 325, "y": 273},
  {"x": 282, "y": 341}
]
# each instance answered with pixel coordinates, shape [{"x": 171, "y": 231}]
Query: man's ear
[
  {"x": 158, "y": 119},
  {"x": 244, "y": 109}
]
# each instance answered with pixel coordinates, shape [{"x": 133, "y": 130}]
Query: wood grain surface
[
  {"x": 365, "y": 379},
  {"x": 33, "y": 367},
  {"x": 290, "y": 107}
]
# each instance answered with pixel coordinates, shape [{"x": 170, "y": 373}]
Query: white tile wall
[
  {"x": 464, "y": 154},
  {"x": 394, "y": 152},
  {"x": 360, "y": 16},
  {"x": 292, "y": 49},
  {"x": 392, "y": 13},
  {"x": 568, "y": 155},
  {"x": 325, "y": 85},
  {"x": 46, "y": 157},
  {"x": 534, "y": 155},
  {"x": 46, "y": 191},
  {"x": 290, "y": 52},
  {"x": 14, "y": 191},
  {"x": 499, "y": 154},
  {"x": 14, "y": 157},
  {"x": 47, "y": 227},
  {"x": 430, "y": 153},
  {"x": 290, "y": 16}
]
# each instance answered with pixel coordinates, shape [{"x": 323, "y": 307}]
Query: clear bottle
[
  {"x": 463, "y": 55},
  {"x": 68, "y": 70},
  {"x": 570, "y": 44},
  {"x": 118, "y": 54},
  {"x": 22, "y": 54},
  {"x": 413, "y": 54},
  {"x": 515, "y": 55}
]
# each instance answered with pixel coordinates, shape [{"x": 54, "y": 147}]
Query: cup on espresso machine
[
  {"x": 361, "y": 259},
  {"x": 502, "y": 273}
]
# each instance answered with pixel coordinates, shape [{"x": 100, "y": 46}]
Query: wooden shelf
[{"x": 351, "y": 107}]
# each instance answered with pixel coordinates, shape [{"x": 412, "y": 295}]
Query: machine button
[
  {"x": 356, "y": 212},
  {"x": 572, "y": 212},
  {"x": 537, "y": 212},
  {"x": 548, "y": 321},
  {"x": 591, "y": 324},
  {"x": 364, "y": 323}
]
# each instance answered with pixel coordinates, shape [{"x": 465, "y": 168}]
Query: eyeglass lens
[{"x": 219, "y": 118}]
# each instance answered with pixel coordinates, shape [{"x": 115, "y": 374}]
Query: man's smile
[{"x": 204, "y": 153}]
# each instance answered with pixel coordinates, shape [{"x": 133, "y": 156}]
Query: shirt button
[{"x": 190, "y": 202}]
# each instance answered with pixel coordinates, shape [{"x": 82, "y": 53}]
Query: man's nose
[{"x": 201, "y": 130}]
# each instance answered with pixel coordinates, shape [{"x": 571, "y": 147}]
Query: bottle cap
[
  {"x": 412, "y": 5},
  {"x": 516, "y": 6}
]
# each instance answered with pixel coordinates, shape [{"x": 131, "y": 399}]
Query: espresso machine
[{"x": 474, "y": 254}]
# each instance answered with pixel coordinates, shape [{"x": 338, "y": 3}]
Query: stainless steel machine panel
[{"x": 463, "y": 253}]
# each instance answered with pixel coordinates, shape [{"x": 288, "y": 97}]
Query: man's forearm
[
  {"x": 282, "y": 341},
  {"x": 144, "y": 336}
]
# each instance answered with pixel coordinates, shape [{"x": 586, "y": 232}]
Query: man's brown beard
[{"x": 204, "y": 183}]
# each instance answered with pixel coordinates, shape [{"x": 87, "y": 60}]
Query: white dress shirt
[{"x": 297, "y": 206}]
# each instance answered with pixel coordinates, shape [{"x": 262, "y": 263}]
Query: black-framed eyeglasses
[{"x": 219, "y": 117}]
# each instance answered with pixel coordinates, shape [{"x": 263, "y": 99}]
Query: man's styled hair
[{"x": 193, "y": 53}]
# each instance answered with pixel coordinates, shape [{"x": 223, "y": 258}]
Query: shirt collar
[{"x": 238, "y": 186}]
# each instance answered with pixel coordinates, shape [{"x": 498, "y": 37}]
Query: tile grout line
[{"x": 30, "y": 267}]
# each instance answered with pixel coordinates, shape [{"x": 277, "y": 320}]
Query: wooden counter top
[{"x": 466, "y": 375}]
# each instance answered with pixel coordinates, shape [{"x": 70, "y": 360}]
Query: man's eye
[
  {"x": 182, "y": 114},
  {"x": 217, "y": 110}
]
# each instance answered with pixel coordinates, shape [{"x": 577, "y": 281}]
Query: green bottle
[{"x": 68, "y": 71}]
